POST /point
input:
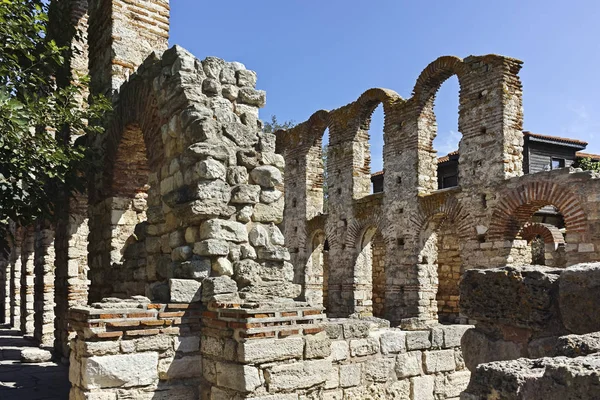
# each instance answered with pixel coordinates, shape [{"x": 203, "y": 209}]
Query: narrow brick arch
[
  {"x": 358, "y": 227},
  {"x": 549, "y": 233},
  {"x": 365, "y": 105},
  {"x": 445, "y": 208},
  {"x": 518, "y": 205},
  {"x": 434, "y": 75}
]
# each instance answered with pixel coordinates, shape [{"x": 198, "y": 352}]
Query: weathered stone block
[
  {"x": 393, "y": 342},
  {"x": 579, "y": 297},
  {"x": 298, "y": 375},
  {"x": 267, "y": 176},
  {"x": 439, "y": 361},
  {"x": 350, "y": 375},
  {"x": 119, "y": 370},
  {"x": 379, "y": 370},
  {"x": 178, "y": 368},
  {"x": 409, "y": 364},
  {"x": 364, "y": 347},
  {"x": 517, "y": 296},
  {"x": 317, "y": 346},
  {"x": 270, "y": 350},
  {"x": 478, "y": 348},
  {"x": 224, "y": 230},
  {"x": 243, "y": 378},
  {"x": 422, "y": 387},
  {"x": 217, "y": 285},
  {"x": 184, "y": 290},
  {"x": 417, "y": 340},
  {"x": 211, "y": 247},
  {"x": 340, "y": 350}
]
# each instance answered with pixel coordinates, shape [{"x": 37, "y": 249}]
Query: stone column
[
  {"x": 44, "y": 284},
  {"x": 71, "y": 284},
  {"x": 27, "y": 282},
  {"x": 4, "y": 289},
  {"x": 15, "y": 281}
]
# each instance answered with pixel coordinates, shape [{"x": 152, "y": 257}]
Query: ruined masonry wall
[{"x": 228, "y": 351}]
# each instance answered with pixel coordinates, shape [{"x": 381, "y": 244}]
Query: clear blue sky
[{"x": 312, "y": 55}]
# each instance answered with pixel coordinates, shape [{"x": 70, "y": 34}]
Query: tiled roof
[
  {"x": 555, "y": 138},
  {"x": 447, "y": 157},
  {"x": 377, "y": 173},
  {"x": 595, "y": 157}
]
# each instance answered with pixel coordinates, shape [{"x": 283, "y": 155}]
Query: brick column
[
  {"x": 27, "y": 282},
  {"x": 44, "y": 284},
  {"x": 15, "y": 281}
]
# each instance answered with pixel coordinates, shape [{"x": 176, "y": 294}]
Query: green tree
[
  {"x": 587, "y": 164},
  {"x": 37, "y": 156},
  {"x": 274, "y": 125}
]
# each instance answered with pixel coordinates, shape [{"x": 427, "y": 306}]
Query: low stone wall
[
  {"x": 524, "y": 311},
  {"x": 134, "y": 349}
]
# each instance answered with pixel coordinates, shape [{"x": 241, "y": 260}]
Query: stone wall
[
  {"x": 537, "y": 333},
  {"x": 489, "y": 215},
  {"x": 44, "y": 268},
  {"x": 134, "y": 348}
]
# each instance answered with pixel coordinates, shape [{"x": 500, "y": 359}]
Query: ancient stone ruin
[{"x": 201, "y": 263}]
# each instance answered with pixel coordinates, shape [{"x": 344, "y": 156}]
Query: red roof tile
[{"x": 555, "y": 138}]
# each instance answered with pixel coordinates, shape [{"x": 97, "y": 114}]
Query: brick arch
[
  {"x": 365, "y": 105},
  {"x": 434, "y": 75},
  {"x": 550, "y": 233},
  {"x": 133, "y": 143},
  {"x": 518, "y": 205},
  {"x": 358, "y": 227},
  {"x": 445, "y": 208}
]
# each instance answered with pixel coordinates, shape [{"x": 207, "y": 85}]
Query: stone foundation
[{"x": 134, "y": 348}]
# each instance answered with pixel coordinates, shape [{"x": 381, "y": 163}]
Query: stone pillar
[
  {"x": 71, "y": 267},
  {"x": 27, "y": 281},
  {"x": 44, "y": 284},
  {"x": 15, "y": 280},
  {"x": 4, "y": 288}
]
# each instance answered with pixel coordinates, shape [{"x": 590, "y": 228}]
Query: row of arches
[{"x": 445, "y": 243}]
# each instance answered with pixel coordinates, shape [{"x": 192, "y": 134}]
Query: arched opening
[
  {"x": 375, "y": 130},
  {"x": 369, "y": 274},
  {"x": 444, "y": 120},
  {"x": 317, "y": 270},
  {"x": 546, "y": 241},
  {"x": 324, "y": 173},
  {"x": 440, "y": 266},
  {"x": 122, "y": 256},
  {"x": 439, "y": 130}
]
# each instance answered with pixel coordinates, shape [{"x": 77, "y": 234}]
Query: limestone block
[
  {"x": 210, "y": 169},
  {"x": 422, "y": 387},
  {"x": 273, "y": 253},
  {"x": 350, "y": 375},
  {"x": 380, "y": 370},
  {"x": 417, "y": 340},
  {"x": 478, "y": 348},
  {"x": 259, "y": 236},
  {"x": 154, "y": 343},
  {"x": 393, "y": 342},
  {"x": 547, "y": 378},
  {"x": 241, "y": 134},
  {"x": 579, "y": 297},
  {"x": 119, "y": 370},
  {"x": 97, "y": 348},
  {"x": 409, "y": 364},
  {"x": 212, "y": 66},
  {"x": 230, "y": 92},
  {"x": 267, "y": 176},
  {"x": 277, "y": 238},
  {"x": 356, "y": 329},
  {"x": 399, "y": 390},
  {"x": 178, "y": 368},
  {"x": 269, "y": 213},
  {"x": 317, "y": 346},
  {"x": 184, "y": 290},
  {"x": 270, "y": 350},
  {"x": 246, "y": 78},
  {"x": 298, "y": 375},
  {"x": 237, "y": 175},
  {"x": 245, "y": 194},
  {"x": 451, "y": 385},
  {"x": 276, "y": 271},
  {"x": 252, "y": 96},
  {"x": 33, "y": 355},
  {"x": 333, "y": 380},
  {"x": 222, "y": 266},
  {"x": 243, "y": 378},
  {"x": 577, "y": 345},
  {"x": 246, "y": 272},
  {"x": 197, "y": 269},
  {"x": 211, "y": 247},
  {"x": 268, "y": 196},
  {"x": 340, "y": 350},
  {"x": 517, "y": 296},
  {"x": 274, "y": 289},
  {"x": 364, "y": 347},
  {"x": 224, "y": 230},
  {"x": 217, "y": 285},
  {"x": 289, "y": 396},
  {"x": 439, "y": 361},
  {"x": 453, "y": 334}
]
